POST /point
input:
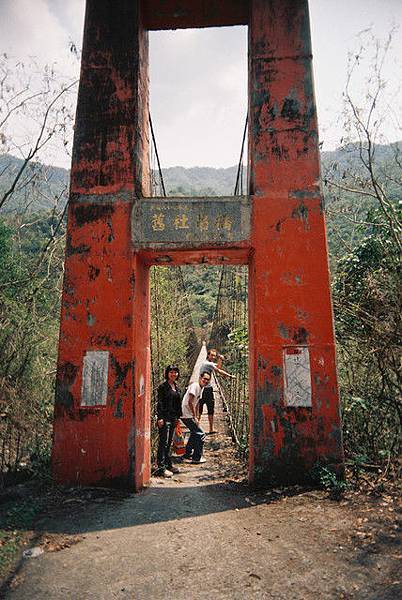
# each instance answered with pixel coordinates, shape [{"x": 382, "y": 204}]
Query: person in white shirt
[
  {"x": 211, "y": 366},
  {"x": 189, "y": 409}
]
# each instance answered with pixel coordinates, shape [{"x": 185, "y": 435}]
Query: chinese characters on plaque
[
  {"x": 192, "y": 220},
  {"x": 182, "y": 221}
]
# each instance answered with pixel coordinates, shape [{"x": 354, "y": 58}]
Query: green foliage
[
  {"x": 29, "y": 312},
  {"x": 40, "y": 458},
  {"x": 230, "y": 335},
  {"x": 328, "y": 479},
  {"x": 364, "y": 186},
  {"x": 368, "y": 326},
  {"x": 10, "y": 542},
  {"x": 21, "y": 514},
  {"x": 202, "y": 288},
  {"x": 238, "y": 340},
  {"x": 358, "y": 463},
  {"x": 173, "y": 340},
  {"x": 10, "y": 269}
]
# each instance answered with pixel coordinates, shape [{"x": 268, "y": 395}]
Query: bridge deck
[{"x": 219, "y": 416}]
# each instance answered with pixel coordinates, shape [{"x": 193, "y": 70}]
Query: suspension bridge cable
[
  {"x": 240, "y": 166},
  {"x": 157, "y": 156},
  {"x": 173, "y": 278}
]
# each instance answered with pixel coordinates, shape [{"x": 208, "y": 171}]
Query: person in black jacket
[{"x": 168, "y": 413}]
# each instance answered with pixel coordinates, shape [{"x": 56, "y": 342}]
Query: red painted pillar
[
  {"x": 294, "y": 399},
  {"x": 101, "y": 429}
]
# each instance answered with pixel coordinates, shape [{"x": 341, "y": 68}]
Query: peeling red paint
[
  {"x": 289, "y": 280},
  {"x": 123, "y": 94},
  {"x": 105, "y": 306}
]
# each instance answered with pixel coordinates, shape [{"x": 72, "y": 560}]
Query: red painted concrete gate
[{"x": 115, "y": 232}]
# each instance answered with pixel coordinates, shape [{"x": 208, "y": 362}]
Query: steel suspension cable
[
  {"x": 180, "y": 290},
  {"x": 240, "y": 166},
  {"x": 157, "y": 155}
]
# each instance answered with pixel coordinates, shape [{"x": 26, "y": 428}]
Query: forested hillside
[
  {"x": 42, "y": 191},
  {"x": 51, "y": 182},
  {"x": 43, "y": 188}
]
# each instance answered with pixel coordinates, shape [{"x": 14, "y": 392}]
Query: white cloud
[
  {"x": 35, "y": 33},
  {"x": 199, "y": 77},
  {"x": 199, "y": 98},
  {"x": 335, "y": 27}
]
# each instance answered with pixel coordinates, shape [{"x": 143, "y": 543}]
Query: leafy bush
[
  {"x": 368, "y": 328},
  {"x": 327, "y": 479}
]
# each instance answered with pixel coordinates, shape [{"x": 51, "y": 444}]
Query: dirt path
[{"x": 204, "y": 534}]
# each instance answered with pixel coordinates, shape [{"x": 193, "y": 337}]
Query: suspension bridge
[
  {"x": 228, "y": 331},
  {"x": 122, "y": 224},
  {"x": 122, "y": 228}
]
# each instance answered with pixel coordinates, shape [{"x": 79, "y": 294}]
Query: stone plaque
[
  {"x": 94, "y": 378},
  {"x": 297, "y": 376},
  {"x": 197, "y": 221}
]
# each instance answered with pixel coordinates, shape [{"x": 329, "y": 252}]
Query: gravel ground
[{"x": 205, "y": 534}]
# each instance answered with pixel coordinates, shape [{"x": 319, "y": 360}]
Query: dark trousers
[
  {"x": 208, "y": 399},
  {"x": 195, "y": 443},
  {"x": 165, "y": 441}
]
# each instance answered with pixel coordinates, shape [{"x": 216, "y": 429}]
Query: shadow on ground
[{"x": 85, "y": 510}]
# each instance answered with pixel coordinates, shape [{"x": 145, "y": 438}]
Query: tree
[
  {"x": 366, "y": 276},
  {"x": 36, "y": 107},
  {"x": 33, "y": 114}
]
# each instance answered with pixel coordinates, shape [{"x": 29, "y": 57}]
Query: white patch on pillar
[
  {"x": 297, "y": 376},
  {"x": 94, "y": 378}
]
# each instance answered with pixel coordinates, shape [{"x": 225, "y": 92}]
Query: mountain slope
[{"x": 52, "y": 182}]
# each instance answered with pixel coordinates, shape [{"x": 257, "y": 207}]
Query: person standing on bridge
[
  {"x": 168, "y": 413},
  {"x": 211, "y": 365},
  {"x": 189, "y": 407}
]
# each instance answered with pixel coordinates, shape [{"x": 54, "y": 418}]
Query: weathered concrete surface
[
  {"x": 279, "y": 234},
  {"x": 289, "y": 297},
  {"x": 206, "y": 535},
  {"x": 106, "y": 287}
]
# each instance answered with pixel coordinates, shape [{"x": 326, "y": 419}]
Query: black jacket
[{"x": 169, "y": 402}]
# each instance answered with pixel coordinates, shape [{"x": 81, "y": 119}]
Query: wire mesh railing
[{"x": 230, "y": 336}]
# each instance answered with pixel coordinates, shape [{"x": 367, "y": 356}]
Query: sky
[{"x": 199, "y": 77}]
